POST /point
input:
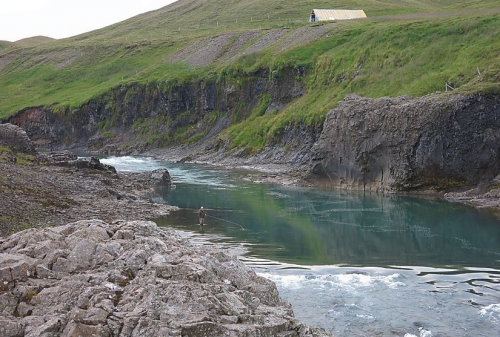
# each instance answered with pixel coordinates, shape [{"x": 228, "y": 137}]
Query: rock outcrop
[
  {"x": 68, "y": 159},
  {"x": 91, "y": 278},
  {"x": 161, "y": 178},
  {"x": 437, "y": 142},
  {"x": 16, "y": 138}
]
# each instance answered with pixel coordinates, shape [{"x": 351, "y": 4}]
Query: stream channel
[{"x": 354, "y": 264}]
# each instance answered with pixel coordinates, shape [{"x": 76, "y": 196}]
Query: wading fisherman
[{"x": 201, "y": 216}]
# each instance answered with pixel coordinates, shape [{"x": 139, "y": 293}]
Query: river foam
[
  {"x": 491, "y": 312},
  {"x": 133, "y": 164},
  {"x": 343, "y": 282},
  {"x": 423, "y": 333},
  {"x": 406, "y": 302}
]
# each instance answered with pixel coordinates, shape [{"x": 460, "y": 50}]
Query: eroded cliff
[
  {"x": 438, "y": 142},
  {"x": 134, "y": 118}
]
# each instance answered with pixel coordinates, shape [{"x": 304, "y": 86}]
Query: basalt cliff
[
  {"x": 439, "y": 142},
  {"x": 137, "y": 118},
  {"x": 436, "y": 142}
]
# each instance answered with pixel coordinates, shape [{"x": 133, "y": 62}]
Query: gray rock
[
  {"x": 55, "y": 158},
  {"x": 91, "y": 278},
  {"x": 68, "y": 159},
  {"x": 161, "y": 178},
  {"x": 10, "y": 327},
  {"x": 16, "y": 139}
]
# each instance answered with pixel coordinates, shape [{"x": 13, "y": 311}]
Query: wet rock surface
[
  {"x": 44, "y": 195},
  {"x": 68, "y": 159},
  {"x": 54, "y": 188},
  {"x": 131, "y": 278}
]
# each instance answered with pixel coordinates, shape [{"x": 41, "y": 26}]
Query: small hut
[{"x": 336, "y": 14}]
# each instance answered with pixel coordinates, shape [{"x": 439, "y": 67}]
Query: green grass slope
[
  {"x": 375, "y": 57},
  {"x": 186, "y": 19}
]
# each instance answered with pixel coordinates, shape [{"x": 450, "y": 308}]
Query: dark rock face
[
  {"x": 91, "y": 278},
  {"x": 134, "y": 118},
  {"x": 161, "y": 178},
  {"x": 403, "y": 144},
  {"x": 16, "y": 139}
]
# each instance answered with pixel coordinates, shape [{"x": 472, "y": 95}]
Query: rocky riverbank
[
  {"x": 54, "y": 188},
  {"x": 120, "y": 276},
  {"x": 43, "y": 195},
  {"x": 92, "y": 278}
]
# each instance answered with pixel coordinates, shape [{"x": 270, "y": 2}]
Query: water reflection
[{"x": 310, "y": 226}]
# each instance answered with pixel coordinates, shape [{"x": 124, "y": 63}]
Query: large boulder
[
  {"x": 16, "y": 139},
  {"x": 160, "y": 178},
  {"x": 92, "y": 278}
]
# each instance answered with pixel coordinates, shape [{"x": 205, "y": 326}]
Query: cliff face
[
  {"x": 134, "y": 118},
  {"x": 404, "y": 144},
  {"x": 436, "y": 142}
]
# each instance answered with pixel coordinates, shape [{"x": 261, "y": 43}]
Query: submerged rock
[{"x": 91, "y": 278}]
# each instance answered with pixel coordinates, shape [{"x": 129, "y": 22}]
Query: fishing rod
[{"x": 231, "y": 222}]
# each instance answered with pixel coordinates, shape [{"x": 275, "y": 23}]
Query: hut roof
[{"x": 338, "y": 14}]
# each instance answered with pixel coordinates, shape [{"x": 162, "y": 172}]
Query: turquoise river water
[{"x": 354, "y": 264}]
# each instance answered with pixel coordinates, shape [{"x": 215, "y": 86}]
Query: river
[{"x": 354, "y": 264}]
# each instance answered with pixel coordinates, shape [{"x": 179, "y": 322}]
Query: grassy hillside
[
  {"x": 373, "y": 57},
  {"x": 188, "y": 19}
]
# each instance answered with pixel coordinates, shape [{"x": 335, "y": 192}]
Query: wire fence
[{"x": 236, "y": 23}]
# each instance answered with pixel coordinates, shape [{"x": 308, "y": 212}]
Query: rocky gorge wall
[
  {"x": 436, "y": 142},
  {"x": 439, "y": 142},
  {"x": 135, "y": 117}
]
